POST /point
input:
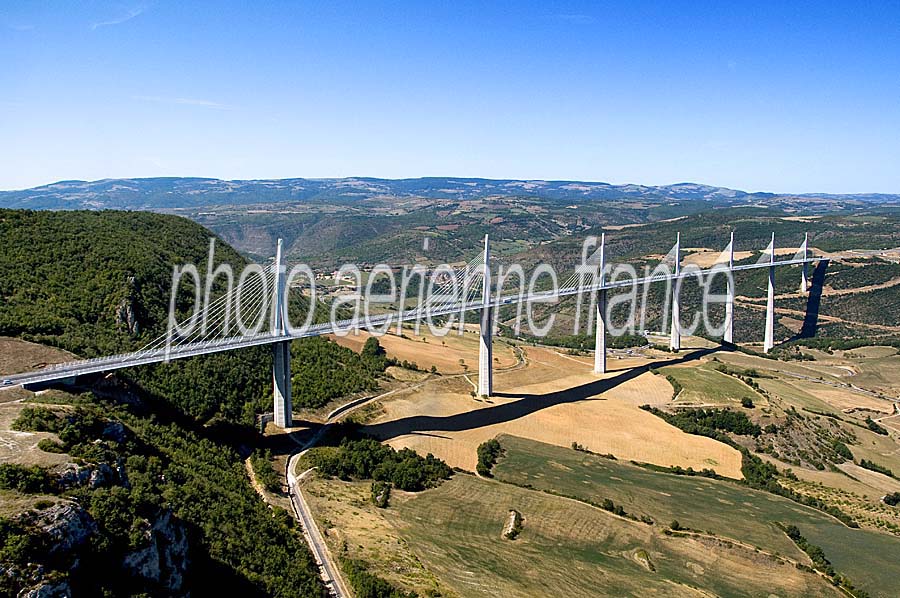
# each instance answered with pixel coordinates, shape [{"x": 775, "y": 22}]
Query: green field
[
  {"x": 568, "y": 548},
  {"x": 722, "y": 508},
  {"x": 703, "y": 384}
]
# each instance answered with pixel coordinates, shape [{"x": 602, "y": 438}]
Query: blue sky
[{"x": 780, "y": 96}]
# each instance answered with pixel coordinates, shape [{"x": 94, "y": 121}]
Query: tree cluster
[
  {"x": 368, "y": 459},
  {"x": 709, "y": 422},
  {"x": 488, "y": 453}
]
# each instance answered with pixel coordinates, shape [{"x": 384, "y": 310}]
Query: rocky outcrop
[
  {"x": 67, "y": 529},
  {"x": 67, "y": 526},
  {"x": 164, "y": 560},
  {"x": 114, "y": 430},
  {"x": 48, "y": 589},
  {"x": 126, "y": 314},
  {"x": 93, "y": 475}
]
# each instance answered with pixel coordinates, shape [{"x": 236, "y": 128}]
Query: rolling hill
[{"x": 187, "y": 192}]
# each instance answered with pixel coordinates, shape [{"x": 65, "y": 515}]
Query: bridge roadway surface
[{"x": 63, "y": 371}]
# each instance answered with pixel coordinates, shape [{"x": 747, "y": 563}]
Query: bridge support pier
[
  {"x": 600, "y": 334},
  {"x": 769, "y": 338},
  {"x": 675, "y": 335},
  {"x": 804, "y": 268},
  {"x": 485, "y": 348},
  {"x": 728, "y": 335},
  {"x": 281, "y": 357},
  {"x": 281, "y": 377},
  {"x": 600, "y": 327}
]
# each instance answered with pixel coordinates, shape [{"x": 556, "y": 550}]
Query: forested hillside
[{"x": 161, "y": 460}]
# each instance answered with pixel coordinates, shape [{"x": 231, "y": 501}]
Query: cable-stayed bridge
[{"x": 471, "y": 288}]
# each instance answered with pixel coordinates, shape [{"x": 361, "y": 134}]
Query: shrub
[
  {"x": 381, "y": 494},
  {"x": 30, "y": 480},
  {"x": 38, "y": 419},
  {"x": 892, "y": 499},
  {"x": 51, "y": 446},
  {"x": 261, "y": 461},
  {"x": 876, "y": 427},
  {"x": 488, "y": 453},
  {"x": 872, "y": 466}
]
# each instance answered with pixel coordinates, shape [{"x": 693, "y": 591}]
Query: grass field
[
  {"x": 355, "y": 528},
  {"x": 568, "y": 548},
  {"x": 16, "y": 446},
  {"x": 706, "y": 386},
  {"x": 723, "y": 508},
  {"x": 18, "y": 356}
]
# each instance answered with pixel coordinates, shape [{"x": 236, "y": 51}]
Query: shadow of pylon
[{"x": 813, "y": 304}]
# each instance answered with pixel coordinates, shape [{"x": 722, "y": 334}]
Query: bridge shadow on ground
[
  {"x": 813, "y": 303},
  {"x": 526, "y": 405}
]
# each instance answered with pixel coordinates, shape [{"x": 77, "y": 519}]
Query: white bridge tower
[
  {"x": 281, "y": 367},
  {"x": 485, "y": 349}
]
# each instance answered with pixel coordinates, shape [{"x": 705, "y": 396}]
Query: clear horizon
[{"x": 798, "y": 98}]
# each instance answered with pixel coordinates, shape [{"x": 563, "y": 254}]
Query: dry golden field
[
  {"x": 427, "y": 350},
  {"x": 554, "y": 399},
  {"x": 21, "y": 447}
]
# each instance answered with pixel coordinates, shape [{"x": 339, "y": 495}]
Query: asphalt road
[{"x": 328, "y": 568}]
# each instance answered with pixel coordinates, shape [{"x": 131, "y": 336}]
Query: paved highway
[{"x": 328, "y": 567}]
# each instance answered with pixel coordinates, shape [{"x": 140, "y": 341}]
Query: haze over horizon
[
  {"x": 436, "y": 177},
  {"x": 768, "y": 97}
]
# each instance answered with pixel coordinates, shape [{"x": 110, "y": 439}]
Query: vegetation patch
[
  {"x": 261, "y": 461},
  {"x": 366, "y": 458},
  {"x": 876, "y": 427},
  {"x": 513, "y": 526},
  {"x": 366, "y": 584},
  {"x": 872, "y": 466},
  {"x": 708, "y": 422},
  {"x": 488, "y": 453},
  {"x": 29, "y": 480},
  {"x": 381, "y": 494}
]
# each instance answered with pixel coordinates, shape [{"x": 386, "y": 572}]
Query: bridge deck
[{"x": 73, "y": 369}]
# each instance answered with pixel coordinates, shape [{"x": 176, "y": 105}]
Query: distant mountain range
[{"x": 186, "y": 192}]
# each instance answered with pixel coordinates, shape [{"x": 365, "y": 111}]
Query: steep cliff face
[
  {"x": 68, "y": 532},
  {"x": 164, "y": 561}
]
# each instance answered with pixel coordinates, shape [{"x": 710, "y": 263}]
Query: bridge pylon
[
  {"x": 804, "y": 268},
  {"x": 728, "y": 335},
  {"x": 281, "y": 363},
  {"x": 600, "y": 329},
  {"x": 769, "y": 338},
  {"x": 485, "y": 348},
  {"x": 675, "y": 335}
]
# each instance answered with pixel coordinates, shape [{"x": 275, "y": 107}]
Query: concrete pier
[
  {"x": 769, "y": 340},
  {"x": 675, "y": 337},
  {"x": 600, "y": 328},
  {"x": 281, "y": 352},
  {"x": 804, "y": 273},
  {"x": 485, "y": 348},
  {"x": 728, "y": 335}
]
